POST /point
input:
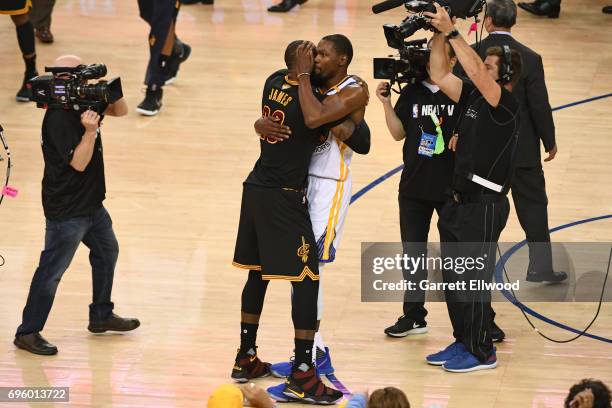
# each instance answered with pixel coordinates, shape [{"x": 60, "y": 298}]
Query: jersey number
[{"x": 279, "y": 115}]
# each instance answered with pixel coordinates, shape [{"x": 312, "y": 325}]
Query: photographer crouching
[
  {"x": 477, "y": 212},
  {"x": 73, "y": 189}
]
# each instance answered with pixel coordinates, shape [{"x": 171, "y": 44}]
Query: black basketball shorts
[
  {"x": 15, "y": 7},
  {"x": 275, "y": 234}
]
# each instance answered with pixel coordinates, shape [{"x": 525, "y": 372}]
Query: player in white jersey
[{"x": 329, "y": 180}]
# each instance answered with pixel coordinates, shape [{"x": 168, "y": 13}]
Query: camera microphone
[{"x": 386, "y": 5}]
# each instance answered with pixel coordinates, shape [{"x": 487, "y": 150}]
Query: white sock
[{"x": 318, "y": 341}]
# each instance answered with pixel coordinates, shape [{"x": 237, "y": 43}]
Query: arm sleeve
[
  {"x": 360, "y": 139},
  {"x": 539, "y": 106}
]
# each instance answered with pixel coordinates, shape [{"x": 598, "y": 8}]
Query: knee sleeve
[
  {"x": 304, "y": 304},
  {"x": 254, "y": 293},
  {"x": 25, "y": 38}
]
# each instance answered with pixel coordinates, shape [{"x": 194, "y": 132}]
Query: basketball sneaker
[
  {"x": 248, "y": 366},
  {"x": 406, "y": 326},
  {"x": 180, "y": 53},
  {"x": 276, "y": 392},
  {"x": 304, "y": 385},
  {"x": 455, "y": 349},
  {"x": 23, "y": 95},
  {"x": 466, "y": 362},
  {"x": 323, "y": 365},
  {"x": 152, "y": 102}
]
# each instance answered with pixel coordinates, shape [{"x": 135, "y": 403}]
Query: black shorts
[
  {"x": 275, "y": 234},
  {"x": 15, "y": 7}
]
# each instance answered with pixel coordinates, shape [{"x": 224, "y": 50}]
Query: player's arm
[
  {"x": 333, "y": 107},
  {"x": 272, "y": 129},
  {"x": 360, "y": 140},
  {"x": 439, "y": 71},
  {"x": 473, "y": 66}
]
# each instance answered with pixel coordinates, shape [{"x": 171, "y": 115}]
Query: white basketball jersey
[{"x": 332, "y": 158}]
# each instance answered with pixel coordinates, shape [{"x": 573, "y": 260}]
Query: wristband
[
  {"x": 303, "y": 73},
  {"x": 453, "y": 34}
]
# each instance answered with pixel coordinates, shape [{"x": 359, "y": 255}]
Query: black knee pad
[
  {"x": 25, "y": 37},
  {"x": 254, "y": 293},
  {"x": 304, "y": 304}
]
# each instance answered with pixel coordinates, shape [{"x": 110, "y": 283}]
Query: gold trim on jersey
[
  {"x": 334, "y": 213},
  {"x": 18, "y": 12},
  {"x": 290, "y": 81},
  {"x": 337, "y": 86},
  {"x": 249, "y": 267},
  {"x": 306, "y": 272}
]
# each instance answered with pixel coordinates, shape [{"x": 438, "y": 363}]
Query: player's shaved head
[
  {"x": 290, "y": 53},
  {"x": 67, "y": 61}
]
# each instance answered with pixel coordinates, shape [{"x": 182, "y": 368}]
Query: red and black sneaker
[
  {"x": 307, "y": 386},
  {"x": 248, "y": 366}
]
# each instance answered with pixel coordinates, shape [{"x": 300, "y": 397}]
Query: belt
[{"x": 475, "y": 198}]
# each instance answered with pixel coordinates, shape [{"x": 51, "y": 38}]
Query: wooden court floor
[{"x": 174, "y": 188}]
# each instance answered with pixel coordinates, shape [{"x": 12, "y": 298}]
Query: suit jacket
[{"x": 536, "y": 114}]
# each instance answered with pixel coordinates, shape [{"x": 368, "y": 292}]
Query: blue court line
[
  {"x": 515, "y": 248},
  {"x": 508, "y": 295}
]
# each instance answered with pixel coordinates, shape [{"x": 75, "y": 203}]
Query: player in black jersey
[{"x": 275, "y": 238}]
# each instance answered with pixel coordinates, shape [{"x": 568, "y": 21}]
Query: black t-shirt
[
  {"x": 487, "y": 140},
  {"x": 67, "y": 192},
  {"x": 425, "y": 177},
  {"x": 284, "y": 164}
]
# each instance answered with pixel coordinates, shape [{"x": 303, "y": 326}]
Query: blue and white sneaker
[
  {"x": 276, "y": 392},
  {"x": 466, "y": 362},
  {"x": 324, "y": 365},
  {"x": 441, "y": 357}
]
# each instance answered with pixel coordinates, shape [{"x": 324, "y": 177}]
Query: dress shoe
[
  {"x": 44, "y": 35},
  {"x": 607, "y": 10},
  {"x": 285, "y": 5},
  {"x": 35, "y": 343},
  {"x": 552, "y": 277},
  {"x": 542, "y": 8},
  {"x": 113, "y": 323}
]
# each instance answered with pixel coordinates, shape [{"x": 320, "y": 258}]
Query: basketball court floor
[{"x": 174, "y": 185}]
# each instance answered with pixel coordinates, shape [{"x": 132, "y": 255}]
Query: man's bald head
[{"x": 70, "y": 61}]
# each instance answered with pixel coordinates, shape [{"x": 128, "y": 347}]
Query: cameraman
[
  {"x": 478, "y": 210},
  {"x": 73, "y": 189},
  {"x": 420, "y": 111}
]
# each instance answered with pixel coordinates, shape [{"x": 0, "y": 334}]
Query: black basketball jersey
[{"x": 284, "y": 164}]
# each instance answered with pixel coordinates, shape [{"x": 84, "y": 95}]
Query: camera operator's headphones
[{"x": 505, "y": 67}]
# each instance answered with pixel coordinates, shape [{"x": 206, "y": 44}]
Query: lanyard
[{"x": 439, "y": 149}]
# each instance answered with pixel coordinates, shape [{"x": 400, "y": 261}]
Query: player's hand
[
  {"x": 440, "y": 19},
  {"x": 551, "y": 154},
  {"x": 383, "y": 91},
  {"x": 583, "y": 399},
  {"x": 452, "y": 144},
  {"x": 305, "y": 57},
  {"x": 90, "y": 120},
  {"x": 272, "y": 128},
  {"x": 256, "y": 396}
]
